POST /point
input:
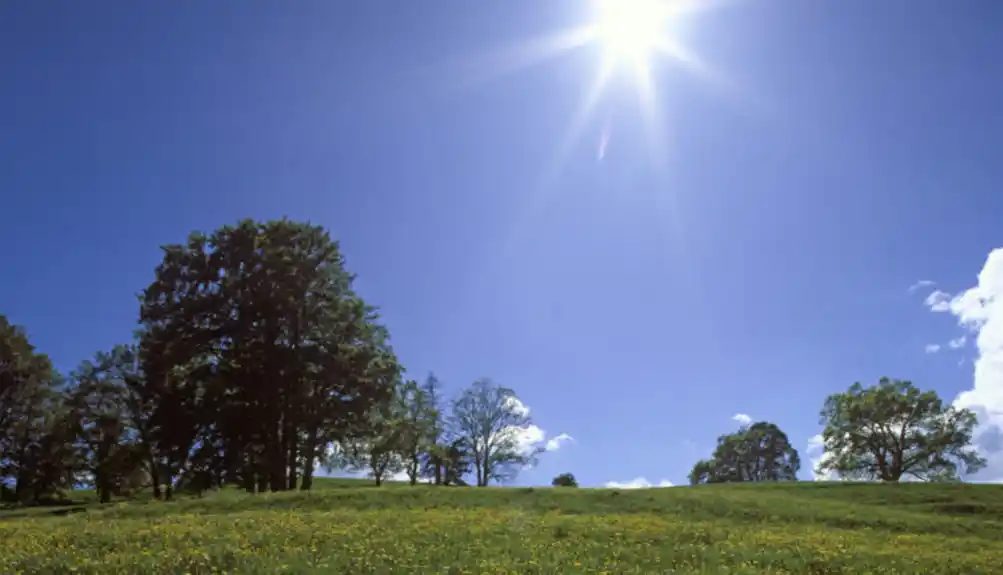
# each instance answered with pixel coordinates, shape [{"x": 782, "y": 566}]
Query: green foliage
[
  {"x": 258, "y": 354},
  {"x": 33, "y": 429},
  {"x": 893, "y": 430},
  {"x": 759, "y": 452},
  {"x": 565, "y": 480}
]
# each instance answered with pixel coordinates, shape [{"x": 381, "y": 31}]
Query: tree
[
  {"x": 456, "y": 460},
  {"x": 893, "y": 430},
  {"x": 416, "y": 427},
  {"x": 111, "y": 420},
  {"x": 32, "y": 426},
  {"x": 564, "y": 480},
  {"x": 434, "y": 457},
  {"x": 375, "y": 449},
  {"x": 758, "y": 452},
  {"x": 489, "y": 417},
  {"x": 256, "y": 355}
]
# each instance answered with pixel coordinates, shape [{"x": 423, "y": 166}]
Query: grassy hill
[{"x": 348, "y": 526}]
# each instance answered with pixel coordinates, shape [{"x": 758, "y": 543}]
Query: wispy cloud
[
  {"x": 554, "y": 443},
  {"x": 921, "y": 284},
  {"x": 938, "y": 301},
  {"x": 932, "y": 348},
  {"x": 637, "y": 483},
  {"x": 603, "y": 143},
  {"x": 742, "y": 418},
  {"x": 957, "y": 343}
]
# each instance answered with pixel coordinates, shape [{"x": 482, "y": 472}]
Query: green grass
[{"x": 348, "y": 526}]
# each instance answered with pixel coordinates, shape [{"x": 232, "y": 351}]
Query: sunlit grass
[{"x": 343, "y": 528}]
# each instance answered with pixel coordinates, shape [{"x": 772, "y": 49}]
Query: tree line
[
  {"x": 253, "y": 362},
  {"x": 886, "y": 432}
]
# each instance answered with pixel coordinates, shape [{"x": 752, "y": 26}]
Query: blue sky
[{"x": 746, "y": 243}]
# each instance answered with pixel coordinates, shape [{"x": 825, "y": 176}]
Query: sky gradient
[{"x": 747, "y": 241}]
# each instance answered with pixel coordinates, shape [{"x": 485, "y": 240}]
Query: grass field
[{"x": 349, "y": 527}]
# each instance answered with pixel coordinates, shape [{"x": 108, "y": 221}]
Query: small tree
[
  {"x": 893, "y": 430},
  {"x": 488, "y": 417},
  {"x": 433, "y": 457},
  {"x": 564, "y": 480}
]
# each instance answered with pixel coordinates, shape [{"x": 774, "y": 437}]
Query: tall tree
[
  {"x": 488, "y": 417},
  {"x": 758, "y": 452},
  {"x": 437, "y": 451},
  {"x": 260, "y": 354},
  {"x": 892, "y": 430}
]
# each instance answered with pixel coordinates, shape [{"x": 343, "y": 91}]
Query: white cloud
[
  {"x": 817, "y": 454},
  {"x": 957, "y": 342},
  {"x": 742, "y": 418},
  {"x": 920, "y": 285},
  {"x": 938, "y": 301},
  {"x": 932, "y": 348},
  {"x": 554, "y": 443},
  {"x": 980, "y": 309},
  {"x": 532, "y": 437},
  {"x": 637, "y": 483},
  {"x": 516, "y": 405}
]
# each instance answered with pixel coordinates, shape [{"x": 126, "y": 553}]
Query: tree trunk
[
  {"x": 292, "y": 454},
  {"x": 262, "y": 481},
  {"x": 155, "y": 478},
  {"x": 276, "y": 458},
  {"x": 309, "y": 451}
]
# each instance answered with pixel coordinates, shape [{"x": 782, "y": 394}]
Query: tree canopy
[
  {"x": 758, "y": 452},
  {"x": 893, "y": 430}
]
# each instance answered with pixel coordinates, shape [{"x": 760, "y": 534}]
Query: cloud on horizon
[{"x": 637, "y": 483}]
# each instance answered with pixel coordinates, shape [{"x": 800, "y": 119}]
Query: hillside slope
[{"x": 350, "y": 527}]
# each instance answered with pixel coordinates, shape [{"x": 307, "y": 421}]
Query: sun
[{"x": 631, "y": 30}]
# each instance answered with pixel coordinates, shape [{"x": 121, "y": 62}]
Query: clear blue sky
[{"x": 752, "y": 257}]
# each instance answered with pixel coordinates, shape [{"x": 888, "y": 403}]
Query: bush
[{"x": 564, "y": 480}]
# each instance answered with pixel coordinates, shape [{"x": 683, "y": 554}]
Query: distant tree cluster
[
  {"x": 886, "y": 432},
  {"x": 254, "y": 362}
]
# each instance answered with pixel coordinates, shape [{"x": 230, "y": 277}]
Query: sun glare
[{"x": 631, "y": 29}]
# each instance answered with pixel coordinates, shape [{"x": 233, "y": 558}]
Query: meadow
[{"x": 346, "y": 526}]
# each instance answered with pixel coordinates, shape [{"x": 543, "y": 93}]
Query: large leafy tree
[
  {"x": 893, "y": 430},
  {"x": 758, "y": 452},
  {"x": 258, "y": 354},
  {"x": 488, "y": 418}
]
